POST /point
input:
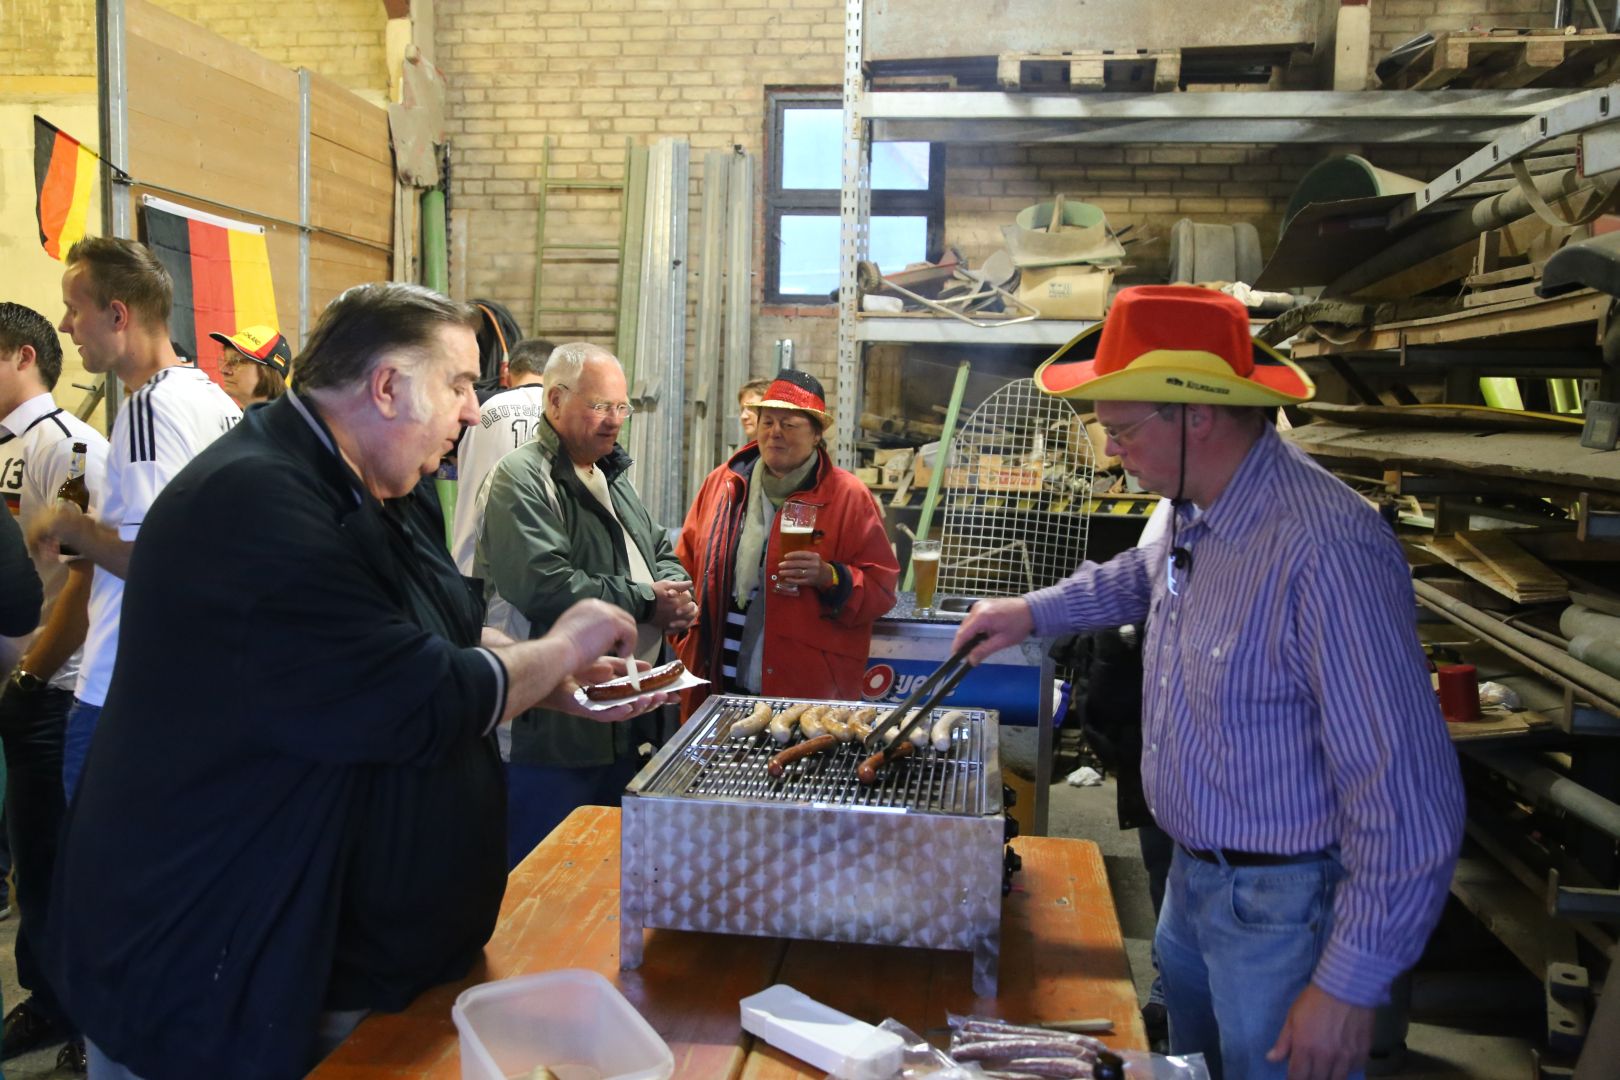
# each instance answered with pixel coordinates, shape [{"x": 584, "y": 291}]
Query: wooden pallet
[
  {"x": 1121, "y": 71},
  {"x": 1510, "y": 58}
]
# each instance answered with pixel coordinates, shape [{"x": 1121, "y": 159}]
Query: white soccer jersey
[
  {"x": 162, "y": 426},
  {"x": 36, "y": 448},
  {"x": 506, "y": 422}
]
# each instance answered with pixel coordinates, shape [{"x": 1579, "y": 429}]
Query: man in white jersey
[
  {"x": 37, "y": 438},
  {"x": 118, "y": 297},
  {"x": 505, "y": 422}
]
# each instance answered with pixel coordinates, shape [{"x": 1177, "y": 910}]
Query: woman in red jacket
[{"x": 749, "y": 637}]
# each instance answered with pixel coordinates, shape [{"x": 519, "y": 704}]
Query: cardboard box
[
  {"x": 997, "y": 473},
  {"x": 1066, "y": 292}
]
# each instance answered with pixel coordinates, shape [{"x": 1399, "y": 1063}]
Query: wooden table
[{"x": 1062, "y": 957}]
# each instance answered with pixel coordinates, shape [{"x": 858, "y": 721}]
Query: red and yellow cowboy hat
[{"x": 1174, "y": 343}]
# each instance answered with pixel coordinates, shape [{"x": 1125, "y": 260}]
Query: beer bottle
[{"x": 73, "y": 489}]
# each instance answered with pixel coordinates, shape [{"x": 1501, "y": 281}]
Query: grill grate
[{"x": 705, "y": 766}]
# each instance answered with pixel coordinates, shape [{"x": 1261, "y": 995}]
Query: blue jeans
[
  {"x": 1236, "y": 946},
  {"x": 81, "y": 726},
  {"x": 538, "y": 797}
]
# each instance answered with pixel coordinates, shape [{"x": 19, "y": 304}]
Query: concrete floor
[
  {"x": 1482, "y": 1041},
  {"x": 1486, "y": 1040}
]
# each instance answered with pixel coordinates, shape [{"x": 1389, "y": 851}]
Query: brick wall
[
  {"x": 1395, "y": 21},
  {"x": 48, "y": 37},
  {"x": 588, "y": 74}
]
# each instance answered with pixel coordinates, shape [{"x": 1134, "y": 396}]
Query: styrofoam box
[
  {"x": 572, "y": 1021},
  {"x": 826, "y": 1038}
]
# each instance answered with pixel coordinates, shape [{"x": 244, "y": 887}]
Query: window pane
[
  {"x": 809, "y": 254},
  {"x": 900, "y": 166},
  {"x": 898, "y": 241},
  {"x": 808, "y": 257},
  {"x": 812, "y": 150}
]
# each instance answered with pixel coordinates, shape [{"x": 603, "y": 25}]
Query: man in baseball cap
[
  {"x": 256, "y": 363},
  {"x": 1291, "y": 744}
]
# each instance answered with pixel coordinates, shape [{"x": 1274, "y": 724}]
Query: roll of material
[
  {"x": 1602, "y": 653},
  {"x": 1578, "y": 621}
]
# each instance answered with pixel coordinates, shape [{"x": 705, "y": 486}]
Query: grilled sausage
[
  {"x": 922, "y": 734},
  {"x": 867, "y": 771},
  {"x": 778, "y": 764},
  {"x": 783, "y": 723},
  {"x": 753, "y": 723},
  {"x": 861, "y": 722},
  {"x": 811, "y": 722},
  {"x": 653, "y": 679},
  {"x": 944, "y": 726},
  {"x": 836, "y": 723}
]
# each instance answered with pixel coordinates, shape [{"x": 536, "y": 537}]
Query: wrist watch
[{"x": 26, "y": 681}]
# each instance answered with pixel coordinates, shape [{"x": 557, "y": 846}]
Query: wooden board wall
[{"x": 219, "y": 122}]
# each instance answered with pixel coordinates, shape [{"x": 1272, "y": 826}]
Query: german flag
[
  {"x": 63, "y": 173},
  {"x": 221, "y": 271}
]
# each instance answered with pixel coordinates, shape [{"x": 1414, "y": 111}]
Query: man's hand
[
  {"x": 50, "y": 525},
  {"x": 594, "y": 629},
  {"x": 804, "y": 569},
  {"x": 1004, "y": 622},
  {"x": 673, "y": 608},
  {"x": 1323, "y": 1038}
]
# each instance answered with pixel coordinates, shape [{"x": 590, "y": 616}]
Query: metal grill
[
  {"x": 1018, "y": 484},
  {"x": 710, "y": 765}
]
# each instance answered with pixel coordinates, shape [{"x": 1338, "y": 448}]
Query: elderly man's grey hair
[
  {"x": 568, "y": 360},
  {"x": 366, "y": 323}
]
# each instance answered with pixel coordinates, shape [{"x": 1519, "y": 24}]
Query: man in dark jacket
[
  {"x": 292, "y": 810},
  {"x": 562, "y": 523}
]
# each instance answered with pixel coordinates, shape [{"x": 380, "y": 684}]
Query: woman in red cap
[{"x": 751, "y": 636}]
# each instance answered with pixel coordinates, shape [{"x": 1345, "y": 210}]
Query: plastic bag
[{"x": 920, "y": 1061}]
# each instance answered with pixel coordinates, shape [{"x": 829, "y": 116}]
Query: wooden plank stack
[{"x": 1494, "y": 560}]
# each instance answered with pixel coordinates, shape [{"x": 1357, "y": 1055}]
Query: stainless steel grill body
[{"x": 711, "y": 842}]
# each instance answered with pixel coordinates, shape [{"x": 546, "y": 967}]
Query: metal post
[
  {"x": 854, "y": 210},
  {"x": 540, "y": 233},
  {"x": 117, "y": 211},
  {"x": 707, "y": 412},
  {"x": 739, "y": 350},
  {"x": 303, "y": 205}
]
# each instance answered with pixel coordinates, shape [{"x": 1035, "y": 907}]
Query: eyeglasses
[
  {"x": 1123, "y": 435},
  {"x": 623, "y": 410},
  {"x": 231, "y": 363}
]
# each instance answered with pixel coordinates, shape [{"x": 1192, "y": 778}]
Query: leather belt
[{"x": 1252, "y": 858}]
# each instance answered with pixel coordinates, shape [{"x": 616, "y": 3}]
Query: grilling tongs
[{"x": 930, "y": 692}]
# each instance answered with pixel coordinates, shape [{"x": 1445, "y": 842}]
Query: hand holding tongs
[{"x": 922, "y": 700}]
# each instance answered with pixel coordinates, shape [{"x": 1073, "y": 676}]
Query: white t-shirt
[
  {"x": 36, "y": 448},
  {"x": 162, "y": 426},
  {"x": 506, "y": 422}
]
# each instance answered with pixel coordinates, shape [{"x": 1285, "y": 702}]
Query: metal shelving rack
[{"x": 1412, "y": 116}]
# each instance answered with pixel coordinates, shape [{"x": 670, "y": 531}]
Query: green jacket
[{"x": 547, "y": 543}]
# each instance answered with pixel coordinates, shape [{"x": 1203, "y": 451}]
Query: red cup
[{"x": 1459, "y": 693}]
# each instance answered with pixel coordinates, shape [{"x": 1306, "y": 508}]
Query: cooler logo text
[{"x": 881, "y": 683}]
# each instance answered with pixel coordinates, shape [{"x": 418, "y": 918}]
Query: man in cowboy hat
[{"x": 1292, "y": 746}]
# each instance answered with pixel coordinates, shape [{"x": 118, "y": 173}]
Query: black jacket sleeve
[{"x": 20, "y": 591}]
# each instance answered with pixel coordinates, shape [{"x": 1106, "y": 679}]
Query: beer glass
[
  {"x": 797, "y": 525},
  {"x": 925, "y": 574}
]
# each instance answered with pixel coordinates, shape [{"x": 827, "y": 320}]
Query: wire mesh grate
[{"x": 1018, "y": 483}]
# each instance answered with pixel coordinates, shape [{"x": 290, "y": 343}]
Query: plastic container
[{"x": 572, "y": 1021}]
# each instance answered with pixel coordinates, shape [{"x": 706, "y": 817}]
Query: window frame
[{"x": 783, "y": 202}]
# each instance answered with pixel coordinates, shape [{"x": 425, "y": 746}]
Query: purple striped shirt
[{"x": 1287, "y": 706}]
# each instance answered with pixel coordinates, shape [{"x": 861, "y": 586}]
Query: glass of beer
[
  {"x": 797, "y": 524},
  {"x": 925, "y": 574}
]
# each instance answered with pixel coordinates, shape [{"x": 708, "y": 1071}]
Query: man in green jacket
[{"x": 562, "y": 523}]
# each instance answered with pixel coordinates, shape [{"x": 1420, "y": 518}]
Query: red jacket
[{"x": 816, "y": 643}]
